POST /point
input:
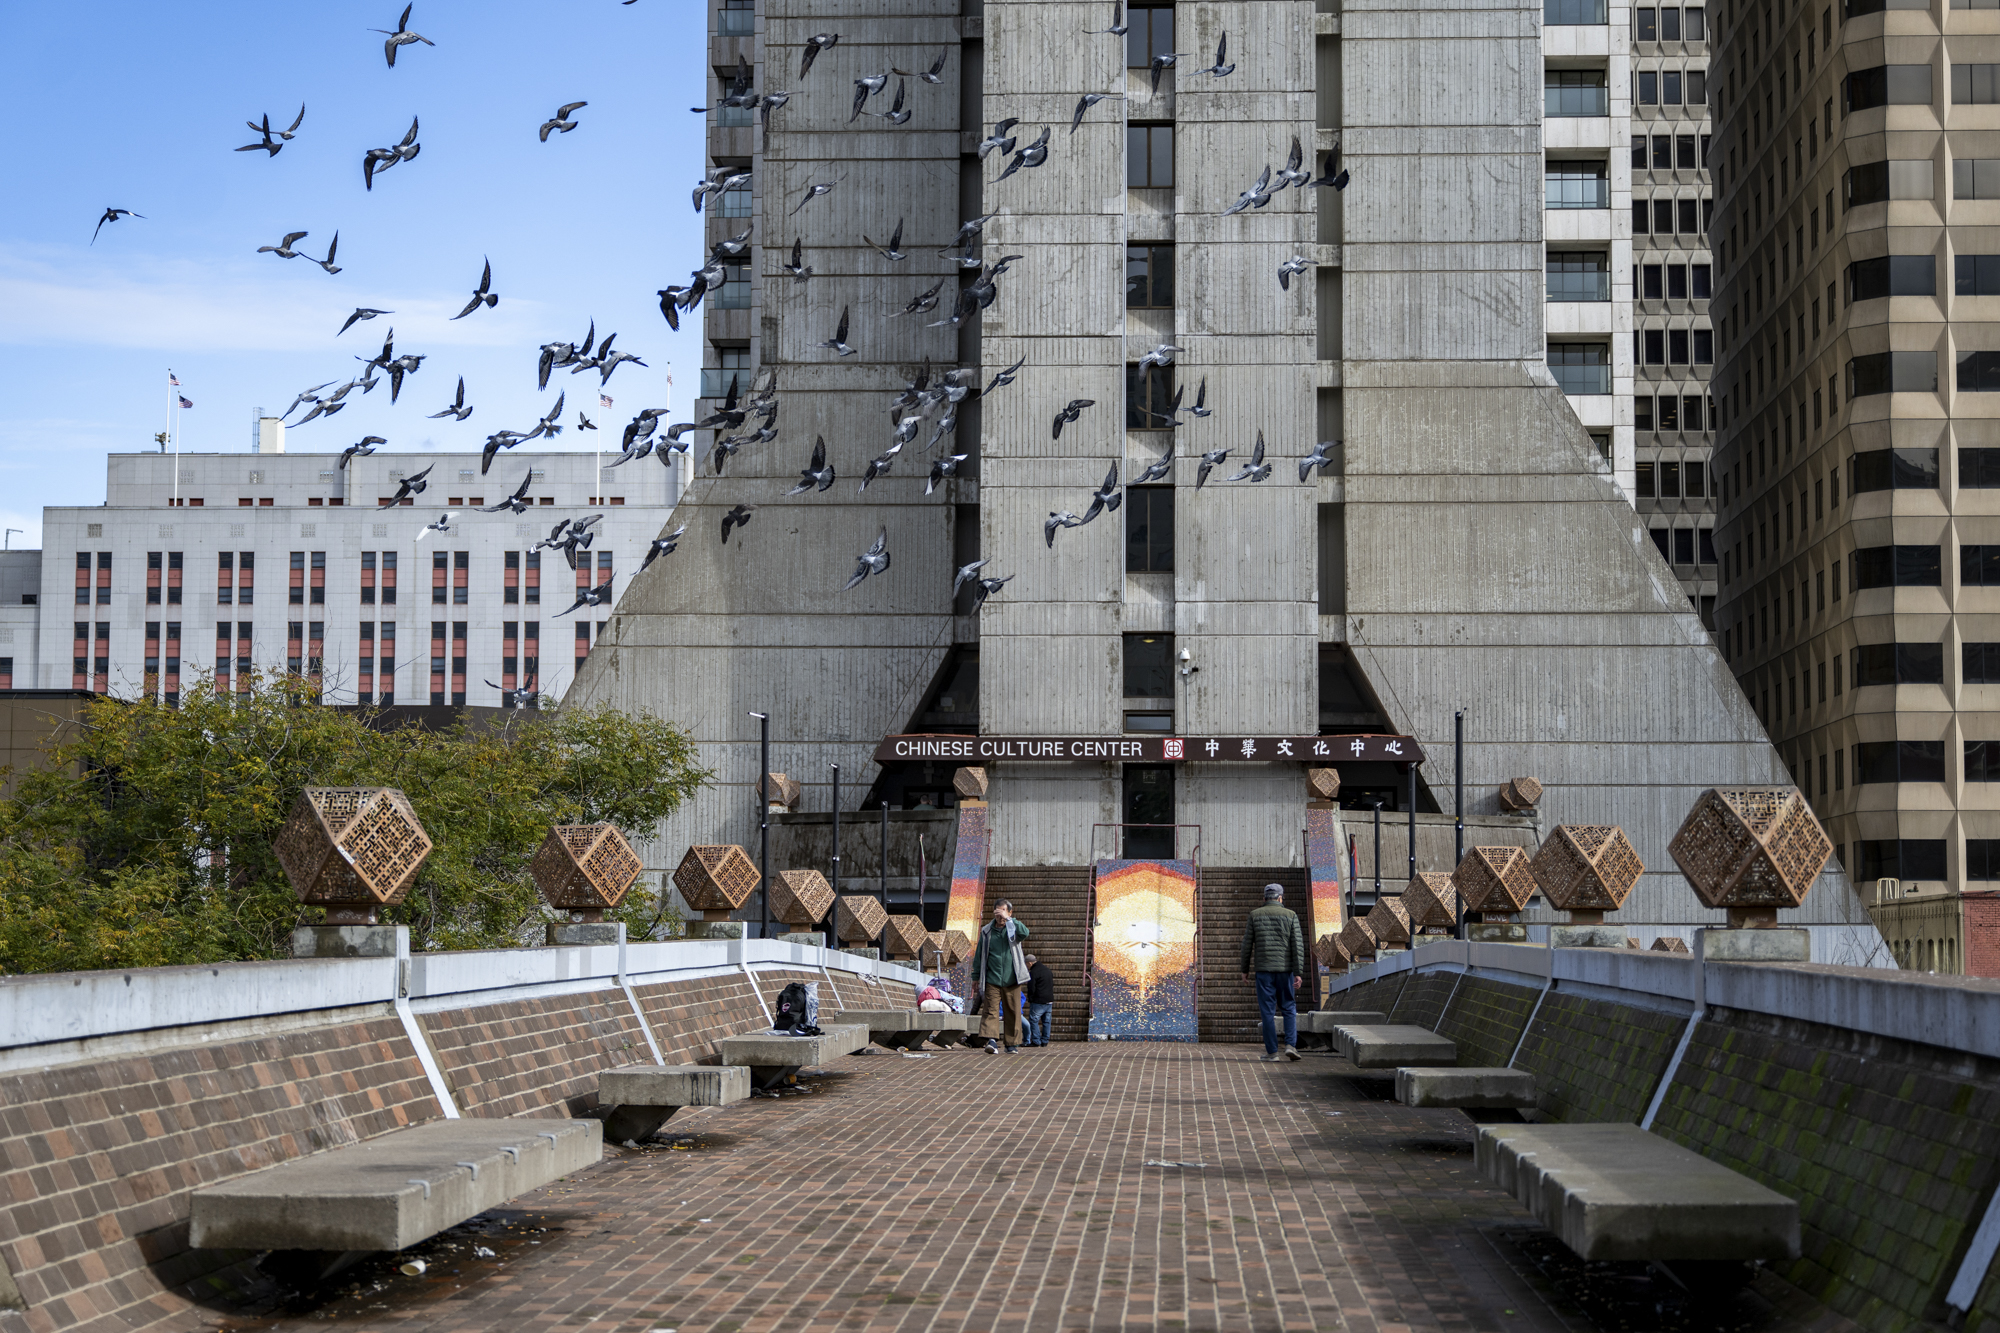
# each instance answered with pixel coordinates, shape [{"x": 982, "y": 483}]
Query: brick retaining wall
[
  {"x": 1486, "y": 1018},
  {"x": 1597, "y": 1061}
]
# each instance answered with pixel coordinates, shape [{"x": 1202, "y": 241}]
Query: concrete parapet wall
[
  {"x": 122, "y": 1092},
  {"x": 1871, "y": 1097}
]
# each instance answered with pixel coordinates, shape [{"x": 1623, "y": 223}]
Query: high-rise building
[
  {"x": 1857, "y": 394},
  {"x": 220, "y": 564},
  {"x": 1466, "y": 545},
  {"x": 1626, "y": 133}
]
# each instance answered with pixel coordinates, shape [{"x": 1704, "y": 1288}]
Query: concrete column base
[
  {"x": 864, "y": 953},
  {"x": 583, "y": 932},
  {"x": 813, "y": 937},
  {"x": 1769, "y": 944},
  {"x": 717, "y": 930},
  {"x": 1587, "y": 937},
  {"x": 1496, "y": 932},
  {"x": 347, "y": 941}
]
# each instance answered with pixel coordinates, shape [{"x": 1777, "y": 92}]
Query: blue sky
[{"x": 140, "y": 105}]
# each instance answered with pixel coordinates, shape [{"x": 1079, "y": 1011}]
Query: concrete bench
[
  {"x": 1621, "y": 1192},
  {"x": 773, "y": 1057},
  {"x": 644, "y": 1097},
  {"x": 1476, "y": 1088},
  {"x": 1319, "y": 1024},
  {"x": 333, "y": 1208},
  {"x": 1392, "y": 1045},
  {"x": 899, "y": 1029}
]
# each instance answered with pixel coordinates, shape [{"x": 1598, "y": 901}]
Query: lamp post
[
  {"x": 763, "y": 824},
  {"x": 1412, "y": 771},
  {"x": 882, "y": 886},
  {"x": 1458, "y": 812},
  {"x": 1378, "y": 849},
  {"x": 833, "y": 912}
]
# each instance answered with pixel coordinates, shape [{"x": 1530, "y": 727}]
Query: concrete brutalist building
[
  {"x": 1858, "y": 165},
  {"x": 1469, "y": 548}
]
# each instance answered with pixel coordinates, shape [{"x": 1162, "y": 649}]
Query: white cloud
[{"x": 49, "y": 296}]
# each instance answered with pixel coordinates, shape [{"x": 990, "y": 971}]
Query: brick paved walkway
[{"x": 967, "y": 1192}]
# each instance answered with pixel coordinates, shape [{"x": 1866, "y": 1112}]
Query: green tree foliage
[{"x": 147, "y": 838}]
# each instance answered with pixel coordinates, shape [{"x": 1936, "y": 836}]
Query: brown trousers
[{"x": 999, "y": 1000}]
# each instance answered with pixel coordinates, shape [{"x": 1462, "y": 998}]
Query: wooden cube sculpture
[
  {"x": 1494, "y": 881},
  {"x": 970, "y": 784},
  {"x": 781, "y": 793},
  {"x": 1389, "y": 921},
  {"x": 716, "y": 880},
  {"x": 958, "y": 946},
  {"x": 859, "y": 918},
  {"x": 1357, "y": 939},
  {"x": 585, "y": 868},
  {"x": 1670, "y": 944},
  {"x": 1432, "y": 902},
  {"x": 352, "y": 850},
  {"x": 1322, "y": 784},
  {"x": 1520, "y": 793},
  {"x": 1586, "y": 870},
  {"x": 1330, "y": 951},
  {"x": 1751, "y": 850},
  {"x": 905, "y": 936},
  {"x": 800, "y": 898}
]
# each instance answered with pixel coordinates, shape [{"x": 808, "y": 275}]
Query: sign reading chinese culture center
[{"x": 1153, "y": 749}]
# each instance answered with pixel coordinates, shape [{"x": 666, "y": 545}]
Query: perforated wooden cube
[
  {"x": 970, "y": 783},
  {"x": 585, "y": 867},
  {"x": 799, "y": 898},
  {"x": 352, "y": 850},
  {"x": 904, "y": 936},
  {"x": 1389, "y": 921},
  {"x": 1323, "y": 783},
  {"x": 1520, "y": 793},
  {"x": 959, "y": 945},
  {"x": 1751, "y": 850},
  {"x": 781, "y": 790},
  {"x": 1494, "y": 879},
  {"x": 1670, "y": 944},
  {"x": 716, "y": 880},
  {"x": 1357, "y": 939},
  {"x": 859, "y": 918},
  {"x": 1586, "y": 869},
  {"x": 1431, "y": 900},
  {"x": 1327, "y": 948}
]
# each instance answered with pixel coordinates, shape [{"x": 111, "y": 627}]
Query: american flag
[
  {"x": 173, "y": 379},
  {"x": 603, "y": 401},
  {"x": 185, "y": 404}
]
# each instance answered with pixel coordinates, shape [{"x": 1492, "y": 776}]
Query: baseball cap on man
[{"x": 1273, "y": 892}]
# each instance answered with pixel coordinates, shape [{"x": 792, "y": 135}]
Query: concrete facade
[
  {"x": 1470, "y": 549},
  {"x": 1857, "y": 390}
]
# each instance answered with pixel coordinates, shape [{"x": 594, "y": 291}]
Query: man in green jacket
[
  {"x": 999, "y": 967},
  {"x": 1274, "y": 947}
]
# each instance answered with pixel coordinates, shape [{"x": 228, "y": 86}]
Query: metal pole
[
  {"x": 1458, "y": 812},
  {"x": 882, "y": 886},
  {"x": 833, "y": 912},
  {"x": 1378, "y": 849},
  {"x": 763, "y": 825},
  {"x": 1413, "y": 822}
]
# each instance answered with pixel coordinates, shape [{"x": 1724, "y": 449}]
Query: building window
[
  {"x": 1574, "y": 13},
  {"x": 1149, "y": 154},
  {"x": 460, "y": 577},
  {"x": 1149, "y": 529},
  {"x": 1898, "y": 664},
  {"x": 1893, "y": 470},
  {"x": 1149, "y": 395},
  {"x": 735, "y": 203},
  {"x": 1978, "y": 372},
  {"x": 1579, "y": 275},
  {"x": 1149, "y": 32},
  {"x": 1581, "y": 369},
  {"x": 1978, "y": 469},
  {"x": 296, "y": 593},
  {"x": 1576, "y": 185},
  {"x": 736, "y": 18},
  {"x": 1576, "y": 92},
  {"x": 1149, "y": 277},
  {"x": 1149, "y": 666},
  {"x": 1904, "y": 858},
  {"x": 1982, "y": 764},
  {"x": 1982, "y": 855},
  {"x": 1891, "y": 275},
  {"x": 1887, "y": 85},
  {"x": 1905, "y": 567},
  {"x": 734, "y": 293},
  {"x": 440, "y": 570},
  {"x": 1149, "y": 812},
  {"x": 1975, "y": 177},
  {"x": 1975, "y": 85},
  {"x": 1877, "y": 182},
  {"x": 1892, "y": 372},
  {"x": 1648, "y": 88}
]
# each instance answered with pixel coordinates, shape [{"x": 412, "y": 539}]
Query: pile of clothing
[{"x": 936, "y": 997}]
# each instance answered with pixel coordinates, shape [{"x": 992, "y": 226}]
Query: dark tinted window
[
  {"x": 1900, "y": 761},
  {"x": 1149, "y": 528},
  {"x": 1149, "y": 33},
  {"x": 1981, "y": 663},
  {"x": 1149, "y": 395},
  {"x": 1893, "y": 469},
  {"x": 1982, "y": 764},
  {"x": 1892, "y": 372},
  {"x": 1889, "y": 85},
  {"x": 1978, "y": 372},
  {"x": 1149, "y": 156},
  {"x": 1975, "y": 85},
  {"x": 1149, "y": 277},
  {"x": 1979, "y": 566},
  {"x": 1909, "y": 858},
  {"x": 1897, "y": 566},
  {"x": 1982, "y": 858},
  {"x": 1979, "y": 469},
  {"x": 1892, "y": 275},
  {"x": 1149, "y": 666}
]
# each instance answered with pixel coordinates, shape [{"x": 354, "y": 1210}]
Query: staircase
[
  {"x": 1226, "y": 1003},
  {"x": 1054, "y": 903}
]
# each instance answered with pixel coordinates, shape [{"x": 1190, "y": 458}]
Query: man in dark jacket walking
[
  {"x": 1274, "y": 948},
  {"x": 1041, "y": 997},
  {"x": 1000, "y": 969}
]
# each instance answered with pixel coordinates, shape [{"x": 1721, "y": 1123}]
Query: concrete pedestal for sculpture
[
  {"x": 584, "y": 932},
  {"x": 1586, "y": 870},
  {"x": 1752, "y": 851}
]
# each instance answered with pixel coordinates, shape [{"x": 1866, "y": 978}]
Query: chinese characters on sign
[{"x": 1154, "y": 749}]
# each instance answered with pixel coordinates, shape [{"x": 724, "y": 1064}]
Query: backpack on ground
[{"x": 797, "y": 1009}]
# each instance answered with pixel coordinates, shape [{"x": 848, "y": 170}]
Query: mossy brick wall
[
  {"x": 1423, "y": 1000},
  {"x": 1371, "y": 997},
  {"x": 1595, "y": 1061},
  {"x": 1485, "y": 1019},
  {"x": 1892, "y": 1150},
  {"x": 535, "y": 1056},
  {"x": 97, "y": 1159}
]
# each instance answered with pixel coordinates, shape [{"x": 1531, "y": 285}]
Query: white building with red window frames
[{"x": 287, "y": 562}]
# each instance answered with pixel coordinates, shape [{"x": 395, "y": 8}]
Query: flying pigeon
[
  {"x": 1106, "y": 498},
  {"x": 483, "y": 295},
  {"x": 1256, "y": 469},
  {"x": 1295, "y": 265},
  {"x": 1321, "y": 457},
  {"x": 458, "y": 411},
  {"x": 815, "y": 44},
  {"x": 518, "y": 502},
  {"x": 872, "y": 561},
  {"x": 442, "y": 526},
  {"x": 410, "y": 486},
  {"x": 1069, "y": 414},
  {"x": 817, "y": 473},
  {"x": 666, "y": 545},
  {"x": 1211, "y": 460},
  {"x": 360, "y": 313},
  {"x": 561, "y": 120},
  {"x": 736, "y": 517},
  {"x": 402, "y": 36},
  {"x": 1059, "y": 519},
  {"x": 112, "y": 215}
]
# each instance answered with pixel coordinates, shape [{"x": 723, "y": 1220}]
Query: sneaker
[
  {"x": 1291, "y": 1052},
  {"x": 993, "y": 1048},
  {"x": 1271, "y": 1058},
  {"x": 1013, "y": 1050}
]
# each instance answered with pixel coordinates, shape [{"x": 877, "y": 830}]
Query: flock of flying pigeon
[{"x": 923, "y": 402}]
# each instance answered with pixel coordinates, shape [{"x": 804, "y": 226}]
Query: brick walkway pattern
[{"x": 972, "y": 1192}]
